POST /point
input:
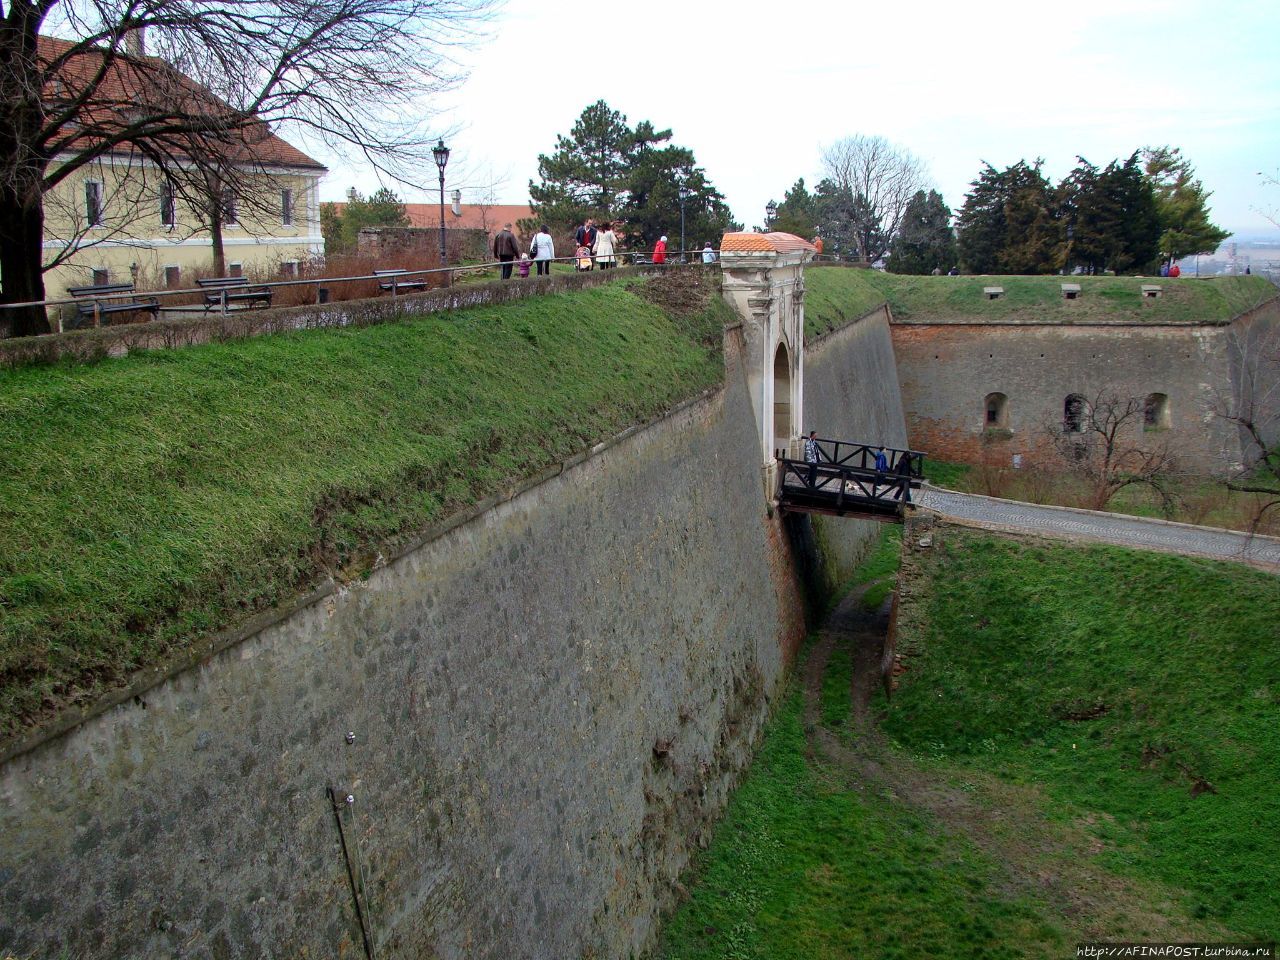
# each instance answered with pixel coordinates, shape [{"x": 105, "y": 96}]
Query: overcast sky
[{"x": 756, "y": 89}]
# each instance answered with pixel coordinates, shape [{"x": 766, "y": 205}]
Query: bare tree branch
[{"x": 879, "y": 179}]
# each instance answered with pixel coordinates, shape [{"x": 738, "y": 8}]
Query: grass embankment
[
  {"x": 1139, "y": 693},
  {"x": 150, "y": 499},
  {"x": 837, "y": 295},
  {"x": 1085, "y": 746},
  {"x": 803, "y": 865}
]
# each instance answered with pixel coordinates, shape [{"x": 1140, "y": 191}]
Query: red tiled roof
[
  {"x": 132, "y": 81},
  {"x": 474, "y": 216},
  {"x": 763, "y": 243}
]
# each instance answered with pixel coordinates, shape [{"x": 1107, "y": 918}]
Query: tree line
[{"x": 874, "y": 204}]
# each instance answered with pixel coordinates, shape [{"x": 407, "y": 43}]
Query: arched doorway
[{"x": 783, "y": 430}]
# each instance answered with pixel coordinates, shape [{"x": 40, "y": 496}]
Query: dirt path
[{"x": 1054, "y": 862}]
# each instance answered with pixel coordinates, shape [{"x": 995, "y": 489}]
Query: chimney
[
  {"x": 457, "y": 203},
  {"x": 135, "y": 42}
]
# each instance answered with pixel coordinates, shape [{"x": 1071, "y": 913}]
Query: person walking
[
  {"x": 606, "y": 247},
  {"x": 660, "y": 250},
  {"x": 708, "y": 253},
  {"x": 506, "y": 249},
  {"x": 586, "y": 235},
  {"x": 812, "y": 453},
  {"x": 543, "y": 251},
  {"x": 882, "y": 462}
]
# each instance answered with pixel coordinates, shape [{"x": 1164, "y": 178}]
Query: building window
[
  {"x": 289, "y": 268},
  {"x": 229, "y": 207},
  {"x": 101, "y": 276},
  {"x": 172, "y": 277},
  {"x": 996, "y": 406},
  {"x": 1155, "y": 412},
  {"x": 93, "y": 203},
  {"x": 235, "y": 269},
  {"x": 286, "y": 207},
  {"x": 167, "y": 217},
  {"x": 1073, "y": 410}
]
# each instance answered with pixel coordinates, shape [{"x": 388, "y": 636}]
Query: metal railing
[{"x": 321, "y": 284}]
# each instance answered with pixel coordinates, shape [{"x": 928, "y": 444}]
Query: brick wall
[{"x": 946, "y": 371}]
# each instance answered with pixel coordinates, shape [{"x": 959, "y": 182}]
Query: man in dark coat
[
  {"x": 586, "y": 236},
  {"x": 506, "y": 249}
]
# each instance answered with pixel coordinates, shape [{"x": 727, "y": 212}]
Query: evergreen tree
[
  {"x": 586, "y": 175},
  {"x": 342, "y": 230},
  {"x": 1007, "y": 223},
  {"x": 652, "y": 209},
  {"x": 607, "y": 170},
  {"x": 1139, "y": 229},
  {"x": 1181, "y": 204},
  {"x": 925, "y": 239},
  {"x": 798, "y": 212},
  {"x": 1031, "y": 237},
  {"x": 1109, "y": 216},
  {"x": 833, "y": 210}
]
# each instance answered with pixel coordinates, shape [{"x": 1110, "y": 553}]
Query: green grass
[
  {"x": 837, "y": 295},
  {"x": 1115, "y": 681},
  {"x": 943, "y": 473},
  {"x": 802, "y": 868},
  {"x": 150, "y": 499}
]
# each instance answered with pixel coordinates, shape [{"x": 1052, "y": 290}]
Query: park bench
[
  {"x": 92, "y": 309},
  {"x": 398, "y": 281},
  {"x": 224, "y": 291}
]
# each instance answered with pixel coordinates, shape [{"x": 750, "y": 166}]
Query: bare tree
[
  {"x": 877, "y": 180},
  {"x": 354, "y": 75},
  {"x": 1103, "y": 441},
  {"x": 1253, "y": 408}
]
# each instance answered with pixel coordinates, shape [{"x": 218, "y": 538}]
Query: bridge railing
[
  {"x": 907, "y": 463},
  {"x": 844, "y": 486}
]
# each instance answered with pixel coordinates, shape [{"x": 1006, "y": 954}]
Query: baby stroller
[{"x": 584, "y": 258}]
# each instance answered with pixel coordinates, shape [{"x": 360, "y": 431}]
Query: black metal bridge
[{"x": 845, "y": 482}]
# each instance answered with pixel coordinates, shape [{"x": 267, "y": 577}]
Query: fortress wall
[
  {"x": 1254, "y": 350},
  {"x": 851, "y": 392},
  {"x": 947, "y": 370},
  {"x": 551, "y": 701}
]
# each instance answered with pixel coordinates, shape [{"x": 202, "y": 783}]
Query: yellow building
[{"x": 119, "y": 219}]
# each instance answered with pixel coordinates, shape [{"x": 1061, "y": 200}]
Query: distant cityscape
[{"x": 1252, "y": 252}]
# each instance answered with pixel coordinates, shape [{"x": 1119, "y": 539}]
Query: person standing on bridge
[
  {"x": 812, "y": 453},
  {"x": 882, "y": 462}
]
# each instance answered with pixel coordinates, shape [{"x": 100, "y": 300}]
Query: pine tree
[
  {"x": 798, "y": 212},
  {"x": 1181, "y": 205},
  {"x": 925, "y": 240},
  {"x": 586, "y": 175},
  {"x": 606, "y": 170}
]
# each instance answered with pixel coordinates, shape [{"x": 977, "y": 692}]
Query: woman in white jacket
[
  {"x": 543, "y": 250},
  {"x": 606, "y": 243}
]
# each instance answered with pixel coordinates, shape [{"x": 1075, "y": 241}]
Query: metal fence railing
[{"x": 411, "y": 279}]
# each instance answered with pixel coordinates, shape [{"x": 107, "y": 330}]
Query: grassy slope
[
  {"x": 800, "y": 868},
  {"x": 150, "y": 499},
  {"x": 835, "y": 295},
  {"x": 1182, "y": 658}
]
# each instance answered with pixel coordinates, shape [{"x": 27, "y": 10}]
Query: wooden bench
[
  {"x": 395, "y": 284},
  {"x": 224, "y": 291},
  {"x": 93, "y": 309}
]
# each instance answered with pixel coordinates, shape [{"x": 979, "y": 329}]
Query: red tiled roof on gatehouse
[{"x": 763, "y": 243}]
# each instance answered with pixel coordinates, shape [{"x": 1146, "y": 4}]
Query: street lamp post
[
  {"x": 441, "y": 153},
  {"x": 770, "y": 212},
  {"x": 684, "y": 193}
]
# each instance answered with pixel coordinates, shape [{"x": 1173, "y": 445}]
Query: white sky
[{"x": 755, "y": 89}]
